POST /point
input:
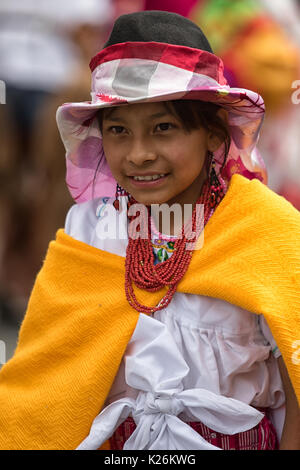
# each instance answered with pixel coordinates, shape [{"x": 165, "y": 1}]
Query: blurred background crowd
[{"x": 45, "y": 49}]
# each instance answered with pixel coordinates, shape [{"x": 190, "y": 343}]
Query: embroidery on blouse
[{"x": 162, "y": 250}]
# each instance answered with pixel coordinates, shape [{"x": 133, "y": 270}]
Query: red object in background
[
  {"x": 123, "y": 7},
  {"x": 183, "y": 7}
]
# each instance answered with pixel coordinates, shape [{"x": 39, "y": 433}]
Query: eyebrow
[{"x": 109, "y": 115}]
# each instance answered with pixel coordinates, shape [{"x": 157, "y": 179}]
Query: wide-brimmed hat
[{"x": 155, "y": 56}]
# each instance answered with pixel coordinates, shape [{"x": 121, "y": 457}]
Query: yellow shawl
[{"x": 78, "y": 321}]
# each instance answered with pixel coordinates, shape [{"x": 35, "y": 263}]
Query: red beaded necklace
[{"x": 139, "y": 265}]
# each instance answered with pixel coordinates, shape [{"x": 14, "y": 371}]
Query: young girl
[{"x": 144, "y": 336}]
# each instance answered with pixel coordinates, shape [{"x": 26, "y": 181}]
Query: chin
[{"x": 149, "y": 202}]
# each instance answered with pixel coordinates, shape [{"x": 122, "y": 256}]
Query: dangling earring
[
  {"x": 216, "y": 188},
  {"x": 119, "y": 192}
]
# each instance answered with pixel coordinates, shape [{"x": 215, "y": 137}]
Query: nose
[{"x": 141, "y": 151}]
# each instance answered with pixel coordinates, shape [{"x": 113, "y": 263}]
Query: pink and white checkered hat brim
[{"x": 136, "y": 72}]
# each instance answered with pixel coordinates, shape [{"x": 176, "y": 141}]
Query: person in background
[
  {"x": 287, "y": 14},
  {"x": 44, "y": 49},
  {"x": 260, "y": 53}
]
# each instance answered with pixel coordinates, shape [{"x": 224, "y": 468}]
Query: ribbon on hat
[{"x": 154, "y": 371}]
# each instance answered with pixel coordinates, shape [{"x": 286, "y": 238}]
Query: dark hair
[{"x": 193, "y": 114}]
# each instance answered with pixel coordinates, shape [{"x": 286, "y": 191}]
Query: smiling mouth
[{"x": 148, "y": 178}]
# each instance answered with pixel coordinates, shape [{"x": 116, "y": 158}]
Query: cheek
[
  {"x": 175, "y": 152},
  {"x": 111, "y": 154},
  {"x": 188, "y": 158}
]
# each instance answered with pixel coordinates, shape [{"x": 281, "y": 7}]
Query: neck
[{"x": 170, "y": 220}]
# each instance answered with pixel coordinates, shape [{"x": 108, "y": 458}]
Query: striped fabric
[
  {"x": 190, "y": 59},
  {"x": 261, "y": 437}
]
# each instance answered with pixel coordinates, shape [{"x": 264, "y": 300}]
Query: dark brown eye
[
  {"x": 117, "y": 129},
  {"x": 164, "y": 126}
]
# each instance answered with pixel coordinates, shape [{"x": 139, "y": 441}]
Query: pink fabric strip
[{"x": 187, "y": 58}]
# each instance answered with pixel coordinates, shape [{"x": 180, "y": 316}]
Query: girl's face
[{"x": 152, "y": 156}]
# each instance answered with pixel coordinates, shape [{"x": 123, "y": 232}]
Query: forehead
[{"x": 147, "y": 110}]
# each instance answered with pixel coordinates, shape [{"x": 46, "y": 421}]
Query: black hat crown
[{"x": 158, "y": 26}]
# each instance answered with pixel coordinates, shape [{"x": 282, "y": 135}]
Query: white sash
[{"x": 155, "y": 369}]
